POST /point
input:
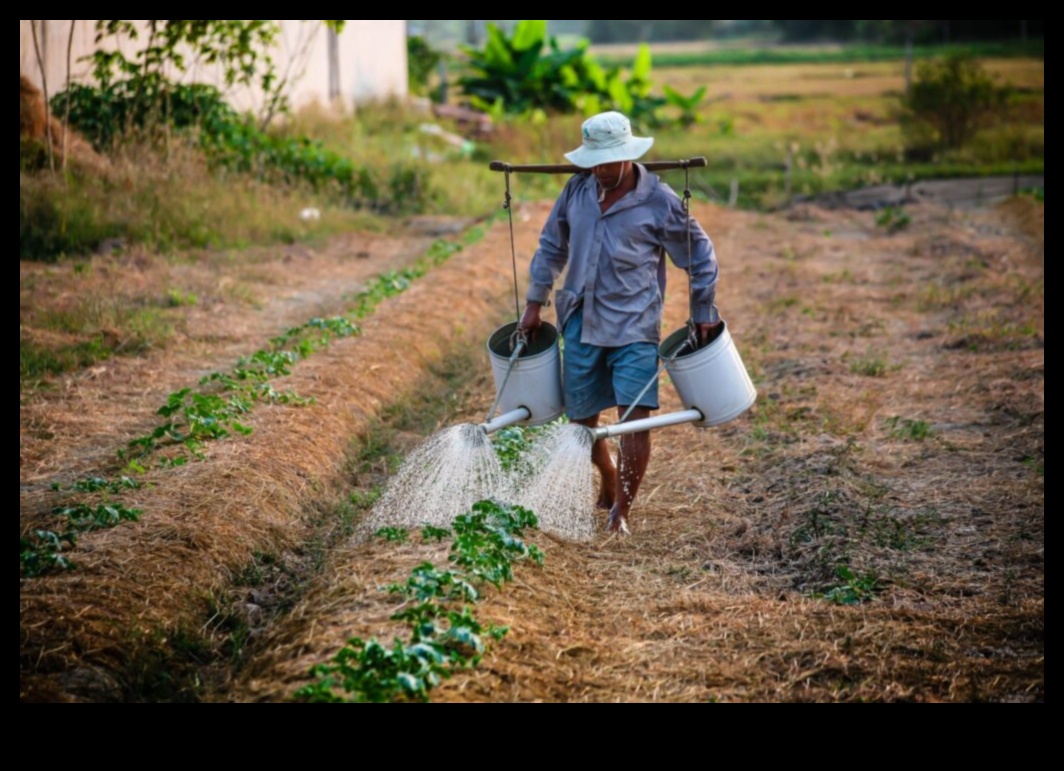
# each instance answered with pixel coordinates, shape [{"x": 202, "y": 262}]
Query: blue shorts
[{"x": 597, "y": 379}]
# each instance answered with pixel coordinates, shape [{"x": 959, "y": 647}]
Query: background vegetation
[{"x": 174, "y": 167}]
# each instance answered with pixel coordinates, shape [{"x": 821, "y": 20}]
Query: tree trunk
[
  {"x": 69, "y": 82},
  {"x": 39, "y": 49},
  {"x": 334, "y": 66}
]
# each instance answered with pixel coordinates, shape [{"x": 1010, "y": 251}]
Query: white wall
[{"x": 372, "y": 59}]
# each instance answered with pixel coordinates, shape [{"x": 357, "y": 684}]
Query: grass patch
[
  {"x": 994, "y": 330},
  {"x": 89, "y": 329},
  {"x": 38, "y": 361},
  {"x": 165, "y": 204},
  {"x": 910, "y": 430},
  {"x": 873, "y": 365},
  {"x": 937, "y": 297}
]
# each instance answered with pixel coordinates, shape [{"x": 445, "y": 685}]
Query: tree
[
  {"x": 952, "y": 99},
  {"x": 241, "y": 47}
]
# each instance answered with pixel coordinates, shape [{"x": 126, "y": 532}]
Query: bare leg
[
  {"x": 600, "y": 456},
  {"x": 635, "y": 456}
]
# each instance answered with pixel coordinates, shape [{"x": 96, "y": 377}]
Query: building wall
[{"x": 371, "y": 58}]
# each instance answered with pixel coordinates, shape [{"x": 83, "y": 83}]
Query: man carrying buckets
[{"x": 612, "y": 227}]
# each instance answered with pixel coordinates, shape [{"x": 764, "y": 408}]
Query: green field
[{"x": 699, "y": 55}]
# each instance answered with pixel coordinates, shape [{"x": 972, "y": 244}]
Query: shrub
[
  {"x": 951, "y": 100},
  {"x": 232, "y": 141},
  {"x": 422, "y": 60}
]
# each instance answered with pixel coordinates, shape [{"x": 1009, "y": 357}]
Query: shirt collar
[{"x": 644, "y": 188}]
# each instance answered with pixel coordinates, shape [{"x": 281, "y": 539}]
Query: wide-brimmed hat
[{"x": 608, "y": 139}]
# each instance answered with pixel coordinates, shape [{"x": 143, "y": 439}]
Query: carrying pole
[{"x": 501, "y": 166}]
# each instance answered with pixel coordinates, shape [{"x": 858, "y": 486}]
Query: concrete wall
[{"x": 371, "y": 57}]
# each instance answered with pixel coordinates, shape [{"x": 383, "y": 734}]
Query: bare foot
[{"x": 618, "y": 522}]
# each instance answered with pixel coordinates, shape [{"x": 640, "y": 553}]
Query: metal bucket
[
  {"x": 712, "y": 380},
  {"x": 536, "y": 381}
]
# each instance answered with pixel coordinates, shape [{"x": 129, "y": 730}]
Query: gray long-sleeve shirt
[{"x": 616, "y": 260}]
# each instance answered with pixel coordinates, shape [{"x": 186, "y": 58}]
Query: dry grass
[{"x": 721, "y": 594}]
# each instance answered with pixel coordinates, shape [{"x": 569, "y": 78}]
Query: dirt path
[{"x": 895, "y": 460}]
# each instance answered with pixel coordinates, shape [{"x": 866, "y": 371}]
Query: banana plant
[{"x": 688, "y": 106}]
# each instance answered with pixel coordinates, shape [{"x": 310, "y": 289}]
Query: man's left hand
[{"x": 707, "y": 333}]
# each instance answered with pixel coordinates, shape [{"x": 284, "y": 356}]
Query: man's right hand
[{"x": 531, "y": 322}]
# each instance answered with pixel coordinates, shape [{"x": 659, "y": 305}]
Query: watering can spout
[
  {"x": 649, "y": 424},
  {"x": 520, "y": 415}
]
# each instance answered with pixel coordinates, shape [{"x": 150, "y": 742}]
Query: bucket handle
[{"x": 518, "y": 342}]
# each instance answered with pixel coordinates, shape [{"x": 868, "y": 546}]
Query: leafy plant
[
  {"x": 393, "y": 534},
  {"x": 689, "y": 107},
  {"x": 528, "y": 71},
  {"x": 444, "y": 635},
  {"x": 511, "y": 444},
  {"x": 43, "y": 553},
  {"x": 99, "y": 485},
  {"x": 855, "y": 590},
  {"x": 45, "y": 550}
]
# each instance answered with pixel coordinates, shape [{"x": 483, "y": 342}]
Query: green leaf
[
  {"x": 530, "y": 34},
  {"x": 643, "y": 64},
  {"x": 622, "y": 99}
]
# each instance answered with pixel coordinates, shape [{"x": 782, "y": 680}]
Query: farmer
[{"x": 612, "y": 227}]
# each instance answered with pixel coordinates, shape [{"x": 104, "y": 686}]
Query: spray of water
[
  {"x": 440, "y": 480},
  {"x": 556, "y": 480},
  {"x": 457, "y": 467}
]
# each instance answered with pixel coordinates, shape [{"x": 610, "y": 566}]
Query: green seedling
[
  {"x": 855, "y": 590},
  {"x": 445, "y": 636}
]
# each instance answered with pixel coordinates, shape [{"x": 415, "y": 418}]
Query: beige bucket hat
[{"x": 608, "y": 139}]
